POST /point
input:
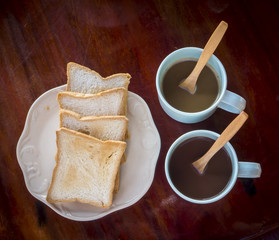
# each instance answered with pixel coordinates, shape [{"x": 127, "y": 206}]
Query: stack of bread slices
[{"x": 91, "y": 138}]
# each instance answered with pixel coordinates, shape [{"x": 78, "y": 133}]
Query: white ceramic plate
[{"x": 36, "y": 151}]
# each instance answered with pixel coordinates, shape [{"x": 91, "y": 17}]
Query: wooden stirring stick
[
  {"x": 226, "y": 135},
  {"x": 189, "y": 83}
]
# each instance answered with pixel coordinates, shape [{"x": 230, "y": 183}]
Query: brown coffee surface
[
  {"x": 206, "y": 92},
  {"x": 187, "y": 179}
]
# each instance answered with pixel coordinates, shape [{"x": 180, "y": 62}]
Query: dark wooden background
[{"x": 37, "y": 40}]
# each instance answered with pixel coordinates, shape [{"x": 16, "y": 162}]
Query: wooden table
[{"x": 37, "y": 40}]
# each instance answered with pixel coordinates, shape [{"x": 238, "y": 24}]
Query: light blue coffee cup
[
  {"x": 239, "y": 169},
  {"x": 226, "y": 99}
]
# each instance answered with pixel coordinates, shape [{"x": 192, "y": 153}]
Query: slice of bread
[
  {"x": 84, "y": 80},
  {"x": 110, "y": 102},
  {"x": 85, "y": 170},
  {"x": 101, "y": 127}
]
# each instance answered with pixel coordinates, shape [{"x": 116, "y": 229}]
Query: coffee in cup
[
  {"x": 207, "y": 87},
  {"x": 221, "y": 172},
  {"x": 195, "y": 108}
]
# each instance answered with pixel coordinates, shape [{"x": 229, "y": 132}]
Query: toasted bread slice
[
  {"x": 85, "y": 170},
  {"x": 101, "y": 127},
  {"x": 84, "y": 80},
  {"x": 110, "y": 102}
]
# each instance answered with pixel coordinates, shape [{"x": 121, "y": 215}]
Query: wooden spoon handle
[
  {"x": 228, "y": 133},
  {"x": 210, "y": 46}
]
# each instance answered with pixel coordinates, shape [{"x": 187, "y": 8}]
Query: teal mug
[
  {"x": 239, "y": 169},
  {"x": 226, "y": 99}
]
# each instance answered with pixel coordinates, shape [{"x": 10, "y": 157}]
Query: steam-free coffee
[
  {"x": 206, "y": 91},
  {"x": 188, "y": 180}
]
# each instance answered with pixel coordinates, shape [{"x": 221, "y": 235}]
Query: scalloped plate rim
[{"x": 24, "y": 135}]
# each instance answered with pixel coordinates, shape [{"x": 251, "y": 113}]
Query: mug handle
[
  {"x": 249, "y": 170},
  {"x": 232, "y": 102}
]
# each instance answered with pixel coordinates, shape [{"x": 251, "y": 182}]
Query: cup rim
[
  {"x": 229, "y": 148},
  {"x": 173, "y": 109}
]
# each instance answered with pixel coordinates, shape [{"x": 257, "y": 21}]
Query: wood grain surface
[{"x": 37, "y": 40}]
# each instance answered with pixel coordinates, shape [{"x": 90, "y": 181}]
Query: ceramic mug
[
  {"x": 226, "y": 99},
  {"x": 239, "y": 169}
]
